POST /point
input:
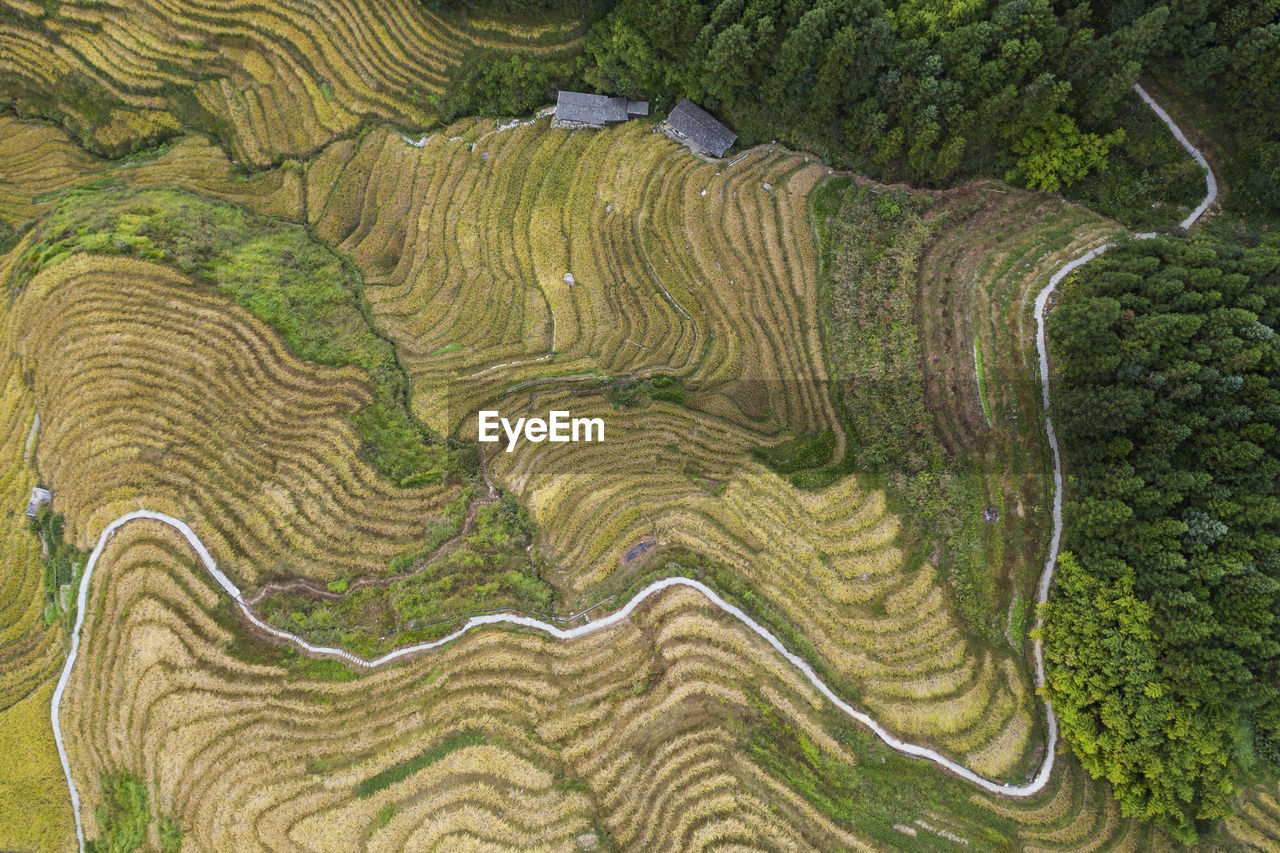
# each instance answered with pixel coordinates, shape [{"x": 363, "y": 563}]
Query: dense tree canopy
[
  {"x": 1162, "y": 640},
  {"x": 917, "y": 90}
]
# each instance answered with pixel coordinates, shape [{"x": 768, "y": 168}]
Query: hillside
[{"x": 263, "y": 276}]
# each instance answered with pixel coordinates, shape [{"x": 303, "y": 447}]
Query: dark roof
[
  {"x": 703, "y": 133},
  {"x": 597, "y": 109}
]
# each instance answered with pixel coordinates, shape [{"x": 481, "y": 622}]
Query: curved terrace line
[{"x": 1035, "y": 785}]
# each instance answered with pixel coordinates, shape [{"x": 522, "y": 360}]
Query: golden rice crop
[
  {"x": 38, "y": 160},
  {"x": 828, "y": 560},
  {"x": 469, "y": 239},
  {"x": 33, "y": 806},
  {"x": 35, "y": 813},
  {"x": 282, "y": 77},
  {"x": 704, "y": 270},
  {"x": 249, "y": 758},
  {"x": 156, "y": 392}
]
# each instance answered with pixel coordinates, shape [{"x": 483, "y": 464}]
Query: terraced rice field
[
  {"x": 41, "y": 162},
  {"x": 670, "y": 277},
  {"x": 468, "y": 240},
  {"x": 657, "y": 671},
  {"x": 531, "y": 743},
  {"x": 275, "y": 493},
  {"x": 154, "y": 391},
  {"x": 1256, "y": 823},
  {"x": 33, "y": 805},
  {"x": 277, "y": 79},
  {"x": 110, "y": 448}
]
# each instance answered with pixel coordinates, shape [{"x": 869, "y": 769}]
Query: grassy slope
[
  {"x": 873, "y": 243},
  {"x": 918, "y": 283},
  {"x": 485, "y": 567}
]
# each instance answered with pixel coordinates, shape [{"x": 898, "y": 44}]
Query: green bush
[
  {"x": 123, "y": 815},
  {"x": 493, "y": 83},
  {"x": 170, "y": 835},
  {"x": 63, "y": 562},
  {"x": 630, "y": 393}
]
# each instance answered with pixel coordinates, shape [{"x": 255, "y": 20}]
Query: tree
[{"x": 1056, "y": 154}]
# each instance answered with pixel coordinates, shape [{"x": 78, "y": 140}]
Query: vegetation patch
[
  {"x": 486, "y": 566},
  {"x": 880, "y": 791},
  {"x": 63, "y": 563},
  {"x": 256, "y": 649},
  {"x": 384, "y": 816},
  {"x": 1149, "y": 180},
  {"x": 630, "y": 393},
  {"x": 501, "y": 84},
  {"x": 1018, "y": 620},
  {"x": 871, "y": 244},
  {"x": 399, "y": 772},
  {"x": 170, "y": 835},
  {"x": 806, "y": 460},
  {"x": 123, "y": 816}
]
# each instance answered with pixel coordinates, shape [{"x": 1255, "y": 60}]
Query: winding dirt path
[{"x": 613, "y": 619}]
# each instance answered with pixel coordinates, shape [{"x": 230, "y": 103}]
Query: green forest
[{"x": 1161, "y": 640}]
